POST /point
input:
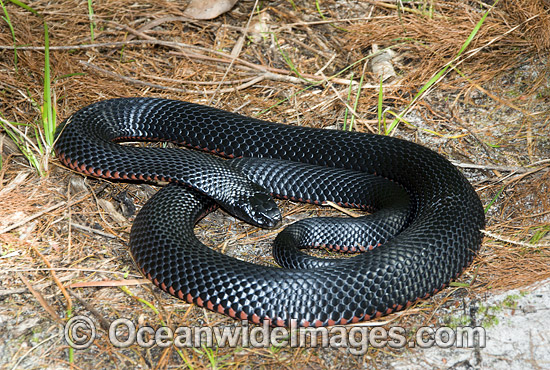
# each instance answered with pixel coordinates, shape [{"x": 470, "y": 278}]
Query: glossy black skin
[{"x": 421, "y": 198}]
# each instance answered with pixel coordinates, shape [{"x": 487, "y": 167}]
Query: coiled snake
[{"x": 418, "y": 196}]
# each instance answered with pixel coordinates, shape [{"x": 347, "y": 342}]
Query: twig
[
  {"x": 328, "y": 21},
  {"x": 104, "y": 323},
  {"x": 113, "y": 44},
  {"x": 207, "y": 83},
  {"x": 342, "y": 209},
  {"x": 124, "y": 273},
  {"x": 181, "y": 46},
  {"x": 5, "y": 292},
  {"x": 522, "y": 172},
  {"x": 277, "y": 74},
  {"x": 169, "y": 88},
  {"x": 491, "y": 167},
  {"x": 91, "y": 230},
  {"x": 517, "y": 242},
  {"x": 109, "y": 283},
  {"x": 40, "y": 299},
  {"x": 310, "y": 48},
  {"x": 55, "y": 278}
]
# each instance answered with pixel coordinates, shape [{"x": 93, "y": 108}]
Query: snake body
[{"x": 425, "y": 231}]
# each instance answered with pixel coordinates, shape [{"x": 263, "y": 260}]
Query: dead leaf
[{"x": 208, "y": 9}]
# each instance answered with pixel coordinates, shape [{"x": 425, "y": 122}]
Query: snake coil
[{"x": 425, "y": 231}]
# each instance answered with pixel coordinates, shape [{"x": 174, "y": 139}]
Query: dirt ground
[{"x": 63, "y": 237}]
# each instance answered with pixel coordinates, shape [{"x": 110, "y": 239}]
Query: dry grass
[
  {"x": 497, "y": 107},
  {"x": 509, "y": 38}
]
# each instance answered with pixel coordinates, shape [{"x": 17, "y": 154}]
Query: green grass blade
[
  {"x": 25, "y": 6},
  {"x": 48, "y": 116},
  {"x": 494, "y": 198},
  {"x": 6, "y": 18},
  {"x": 288, "y": 61},
  {"x": 91, "y": 17},
  {"x": 294, "y": 7}
]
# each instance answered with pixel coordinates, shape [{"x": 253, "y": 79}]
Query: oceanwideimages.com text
[{"x": 80, "y": 333}]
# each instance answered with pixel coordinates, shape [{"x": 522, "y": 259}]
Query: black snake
[{"x": 419, "y": 196}]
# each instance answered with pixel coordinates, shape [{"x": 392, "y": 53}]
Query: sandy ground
[{"x": 517, "y": 336}]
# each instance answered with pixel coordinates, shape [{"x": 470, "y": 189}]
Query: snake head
[
  {"x": 263, "y": 210},
  {"x": 256, "y": 208}
]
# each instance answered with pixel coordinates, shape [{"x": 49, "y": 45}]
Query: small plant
[
  {"x": 511, "y": 301},
  {"x": 34, "y": 141},
  {"x": 459, "y": 321},
  {"x": 216, "y": 361}
]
